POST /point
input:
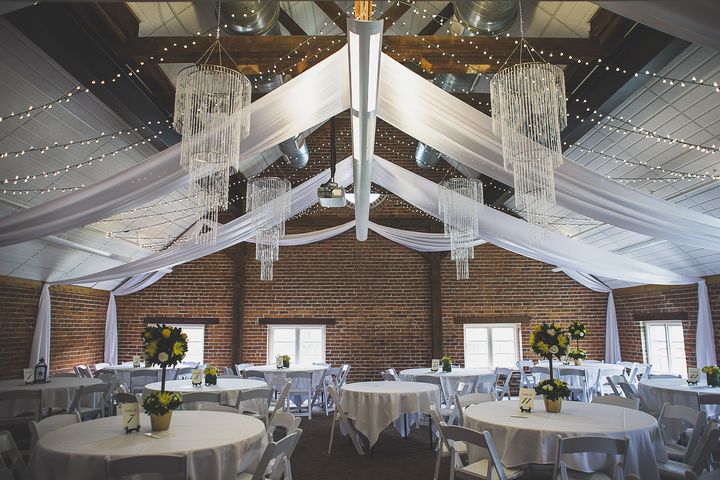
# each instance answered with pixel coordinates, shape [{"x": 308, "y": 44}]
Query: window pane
[
  {"x": 503, "y": 334},
  {"x": 666, "y": 347},
  {"x": 488, "y": 346},
  {"x": 196, "y": 342},
  {"x": 475, "y": 334}
]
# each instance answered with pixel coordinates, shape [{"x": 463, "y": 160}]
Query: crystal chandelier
[
  {"x": 458, "y": 204},
  {"x": 212, "y": 114},
  {"x": 268, "y": 200},
  {"x": 528, "y": 113}
]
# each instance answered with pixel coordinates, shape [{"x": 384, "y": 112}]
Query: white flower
[
  {"x": 549, "y": 387},
  {"x": 551, "y": 332},
  {"x": 582, "y": 334},
  {"x": 163, "y": 357},
  {"x": 554, "y": 349}
]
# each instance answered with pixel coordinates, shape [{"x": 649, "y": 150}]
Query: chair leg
[
  {"x": 437, "y": 461},
  {"x": 430, "y": 432},
  {"x": 332, "y": 433}
]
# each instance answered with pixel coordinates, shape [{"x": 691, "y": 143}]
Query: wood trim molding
[
  {"x": 182, "y": 320},
  {"x": 297, "y": 321},
  {"x": 493, "y": 319},
  {"x": 648, "y": 316}
]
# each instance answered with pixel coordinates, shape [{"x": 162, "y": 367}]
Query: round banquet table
[
  {"x": 532, "y": 439},
  {"x": 655, "y": 392},
  {"x": 57, "y": 393},
  {"x": 449, "y": 380},
  {"x": 123, "y": 371},
  {"x": 271, "y": 370},
  {"x": 229, "y": 388},
  {"x": 218, "y": 445},
  {"x": 375, "y": 405},
  {"x": 595, "y": 372}
]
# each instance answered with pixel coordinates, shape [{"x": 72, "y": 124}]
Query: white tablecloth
[
  {"x": 595, "y": 372},
  {"x": 375, "y": 405},
  {"x": 654, "y": 392},
  {"x": 123, "y": 371},
  {"x": 229, "y": 388},
  {"x": 58, "y": 393},
  {"x": 522, "y": 441},
  {"x": 449, "y": 380},
  {"x": 271, "y": 370},
  {"x": 217, "y": 444}
]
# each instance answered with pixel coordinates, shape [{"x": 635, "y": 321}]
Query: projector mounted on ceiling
[{"x": 330, "y": 194}]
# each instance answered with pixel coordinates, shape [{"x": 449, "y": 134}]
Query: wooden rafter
[
  {"x": 434, "y": 25},
  {"x": 290, "y": 24},
  {"x": 335, "y": 13},
  {"x": 393, "y": 13},
  {"x": 363, "y": 10}
]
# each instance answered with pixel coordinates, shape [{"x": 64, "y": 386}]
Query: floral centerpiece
[
  {"x": 286, "y": 361},
  {"x": 164, "y": 346},
  {"x": 446, "y": 363},
  {"x": 549, "y": 341},
  {"x": 211, "y": 374},
  {"x": 553, "y": 390},
  {"x": 577, "y": 331},
  {"x": 713, "y": 375}
]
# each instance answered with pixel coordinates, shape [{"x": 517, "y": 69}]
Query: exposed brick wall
[
  {"x": 78, "y": 325},
  {"x": 199, "y": 289},
  {"x": 672, "y": 299}
]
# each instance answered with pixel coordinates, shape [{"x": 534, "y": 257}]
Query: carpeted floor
[{"x": 393, "y": 457}]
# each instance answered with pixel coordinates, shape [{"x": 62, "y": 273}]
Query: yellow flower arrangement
[{"x": 211, "y": 370}]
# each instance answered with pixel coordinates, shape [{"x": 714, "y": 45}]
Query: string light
[{"x": 33, "y": 109}]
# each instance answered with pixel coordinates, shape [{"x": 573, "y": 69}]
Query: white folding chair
[
  {"x": 50, "y": 424},
  {"x": 464, "y": 401},
  {"x": 90, "y": 400},
  {"x": 612, "y": 447},
  {"x": 285, "y": 420},
  {"x": 488, "y": 468},
  {"x": 526, "y": 377},
  {"x": 83, "y": 371},
  {"x": 502, "y": 390},
  {"x": 540, "y": 373},
  {"x": 614, "y": 400},
  {"x": 255, "y": 375},
  {"x": 340, "y": 416},
  {"x": 698, "y": 459},
  {"x": 485, "y": 383},
  {"x": 280, "y": 404},
  {"x": 183, "y": 373},
  {"x": 301, "y": 391},
  {"x": 10, "y": 457},
  {"x": 579, "y": 389},
  {"x": 275, "y": 461},
  {"x": 674, "y": 420},
  {"x": 167, "y": 467},
  {"x": 140, "y": 378},
  {"x": 708, "y": 399},
  {"x": 388, "y": 377},
  {"x": 200, "y": 400},
  {"x": 241, "y": 367},
  {"x": 260, "y": 397},
  {"x": 343, "y": 375},
  {"x": 319, "y": 397},
  {"x": 443, "y": 447}
]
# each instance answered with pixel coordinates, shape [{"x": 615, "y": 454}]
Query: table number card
[
  {"x": 279, "y": 361},
  {"x": 435, "y": 366},
  {"x": 196, "y": 377},
  {"x": 29, "y": 375},
  {"x": 131, "y": 417},
  {"x": 693, "y": 376},
  {"x": 527, "y": 399},
  {"x": 136, "y": 361}
]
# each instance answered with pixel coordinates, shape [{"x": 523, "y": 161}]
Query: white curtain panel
[
  {"x": 511, "y": 234},
  {"x": 612, "y": 335},
  {"x": 435, "y": 117},
  {"x": 132, "y": 285},
  {"x": 705, "y": 337},
  {"x": 296, "y": 106},
  {"x": 41, "y": 337},
  {"x": 695, "y": 21}
]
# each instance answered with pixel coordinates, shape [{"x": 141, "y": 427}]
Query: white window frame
[
  {"x": 648, "y": 343},
  {"x": 184, "y": 327},
  {"x": 295, "y": 355},
  {"x": 490, "y": 326}
]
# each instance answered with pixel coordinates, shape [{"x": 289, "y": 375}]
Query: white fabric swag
[
  {"x": 435, "y": 117},
  {"x": 41, "y": 337},
  {"x": 298, "y": 105},
  {"x": 704, "y": 336}
]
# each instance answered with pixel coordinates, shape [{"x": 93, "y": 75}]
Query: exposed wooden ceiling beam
[
  {"x": 439, "y": 20},
  {"x": 393, "y": 13},
  {"x": 290, "y": 24},
  {"x": 335, "y": 13}
]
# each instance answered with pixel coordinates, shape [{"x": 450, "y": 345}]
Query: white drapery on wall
[
  {"x": 704, "y": 336},
  {"x": 132, "y": 285},
  {"x": 41, "y": 337}
]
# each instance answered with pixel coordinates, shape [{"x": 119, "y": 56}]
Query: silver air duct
[
  {"x": 426, "y": 157},
  {"x": 251, "y": 18},
  {"x": 486, "y": 17},
  {"x": 295, "y": 151}
]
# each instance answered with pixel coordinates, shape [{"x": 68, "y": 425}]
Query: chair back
[
  {"x": 607, "y": 445},
  {"x": 141, "y": 377},
  {"x": 708, "y": 399},
  {"x": 50, "y": 424},
  {"x": 229, "y": 371},
  {"x": 255, "y": 374},
  {"x": 167, "y": 467},
  {"x": 10, "y": 456},
  {"x": 700, "y": 457},
  {"x": 540, "y": 373},
  {"x": 388, "y": 377},
  {"x": 502, "y": 390},
  {"x": 526, "y": 377},
  {"x": 485, "y": 383},
  {"x": 481, "y": 440},
  {"x": 183, "y": 373},
  {"x": 628, "y": 390},
  {"x": 198, "y": 400},
  {"x": 281, "y": 401},
  {"x": 285, "y": 420},
  {"x": 343, "y": 375},
  {"x": 432, "y": 379},
  {"x": 96, "y": 393},
  {"x": 614, "y": 381},
  {"x": 674, "y": 418},
  {"x": 274, "y": 458},
  {"x": 105, "y": 376},
  {"x": 464, "y": 401},
  {"x": 125, "y": 397},
  {"x": 614, "y": 400},
  {"x": 241, "y": 367},
  {"x": 262, "y": 397},
  {"x": 83, "y": 371}
]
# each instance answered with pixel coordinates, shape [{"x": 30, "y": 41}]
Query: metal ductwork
[
  {"x": 426, "y": 157},
  {"x": 486, "y": 17},
  {"x": 295, "y": 151},
  {"x": 251, "y": 17}
]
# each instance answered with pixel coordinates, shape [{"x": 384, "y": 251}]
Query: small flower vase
[
  {"x": 160, "y": 423},
  {"x": 713, "y": 380},
  {"x": 210, "y": 380},
  {"x": 577, "y": 362},
  {"x": 553, "y": 406},
  {"x": 447, "y": 367},
  {"x": 286, "y": 363}
]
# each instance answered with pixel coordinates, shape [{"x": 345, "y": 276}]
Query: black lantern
[{"x": 41, "y": 371}]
